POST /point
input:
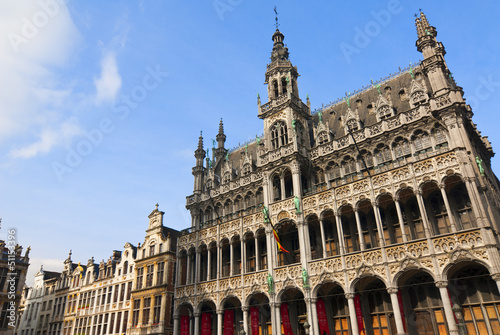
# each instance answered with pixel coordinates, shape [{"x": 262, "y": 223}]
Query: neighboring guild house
[
  {"x": 377, "y": 214},
  {"x": 129, "y": 293},
  {"x": 38, "y": 304}
]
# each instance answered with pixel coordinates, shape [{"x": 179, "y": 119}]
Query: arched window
[
  {"x": 383, "y": 154},
  {"x": 275, "y": 88},
  {"x": 279, "y": 135},
  {"x": 440, "y": 138},
  {"x": 259, "y": 196},
  {"x": 276, "y": 187},
  {"x": 125, "y": 267},
  {"x": 333, "y": 171},
  {"x": 284, "y": 84},
  {"x": 421, "y": 141},
  {"x": 349, "y": 166},
  {"x": 401, "y": 148},
  {"x": 367, "y": 157}
]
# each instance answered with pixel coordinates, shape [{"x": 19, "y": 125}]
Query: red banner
[
  {"x": 401, "y": 309},
  {"x": 229, "y": 322},
  {"x": 184, "y": 325},
  {"x": 359, "y": 312},
  {"x": 285, "y": 319},
  {"x": 206, "y": 324},
  {"x": 254, "y": 319},
  {"x": 322, "y": 319}
]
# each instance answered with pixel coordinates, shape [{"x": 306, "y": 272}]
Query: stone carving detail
[
  {"x": 422, "y": 167},
  {"x": 381, "y": 180},
  {"x": 417, "y": 96},
  {"x": 343, "y": 191},
  {"x": 360, "y": 186},
  {"x": 443, "y": 100}
]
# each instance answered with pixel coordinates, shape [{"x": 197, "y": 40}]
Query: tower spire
[
  {"x": 221, "y": 139},
  {"x": 198, "y": 170}
]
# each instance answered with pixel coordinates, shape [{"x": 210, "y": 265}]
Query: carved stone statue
[
  {"x": 296, "y": 201},
  {"x": 479, "y": 162},
  {"x": 320, "y": 115},
  {"x": 270, "y": 283},
  {"x": 305, "y": 278}
]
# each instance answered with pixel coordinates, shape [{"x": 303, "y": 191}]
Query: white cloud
[
  {"x": 48, "y": 139},
  {"x": 110, "y": 81},
  {"x": 39, "y": 40}
]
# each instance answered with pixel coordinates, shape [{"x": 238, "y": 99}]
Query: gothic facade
[{"x": 384, "y": 203}]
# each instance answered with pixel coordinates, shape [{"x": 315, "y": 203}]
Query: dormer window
[
  {"x": 384, "y": 112},
  {"x": 352, "y": 125},
  {"x": 279, "y": 136},
  {"x": 323, "y": 137},
  {"x": 247, "y": 169}
]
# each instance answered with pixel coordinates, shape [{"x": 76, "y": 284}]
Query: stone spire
[
  {"x": 434, "y": 64},
  {"x": 221, "y": 138},
  {"x": 198, "y": 170}
]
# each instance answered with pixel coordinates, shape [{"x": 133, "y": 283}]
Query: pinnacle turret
[{"x": 221, "y": 138}]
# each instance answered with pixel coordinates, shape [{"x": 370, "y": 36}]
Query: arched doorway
[
  {"x": 293, "y": 310},
  {"x": 376, "y": 307},
  {"x": 233, "y": 316},
  {"x": 208, "y": 318},
  {"x": 332, "y": 303},
  {"x": 423, "y": 307},
  {"x": 259, "y": 318},
  {"x": 475, "y": 295}
]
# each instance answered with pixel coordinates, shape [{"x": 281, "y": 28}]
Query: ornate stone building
[
  {"x": 13, "y": 269},
  {"x": 385, "y": 204}
]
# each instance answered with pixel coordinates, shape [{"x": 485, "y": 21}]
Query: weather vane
[{"x": 276, "y": 17}]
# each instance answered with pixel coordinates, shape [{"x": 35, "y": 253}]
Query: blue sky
[{"x": 102, "y": 102}]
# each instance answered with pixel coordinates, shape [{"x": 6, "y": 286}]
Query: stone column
[
  {"x": 340, "y": 233},
  {"x": 219, "y": 261},
  {"x": 231, "y": 257},
  {"x": 243, "y": 255},
  {"x": 496, "y": 278},
  {"x": 188, "y": 269},
  {"x": 393, "y": 291},
  {"x": 323, "y": 239},
  {"x": 314, "y": 316},
  {"x": 445, "y": 298},
  {"x": 257, "y": 254},
  {"x": 140, "y": 314},
  {"x": 191, "y": 326},
  {"x": 352, "y": 313},
  {"x": 197, "y": 323},
  {"x": 423, "y": 213},
  {"x": 475, "y": 199},
  {"x": 448, "y": 208},
  {"x": 176, "y": 324},
  {"x": 400, "y": 219},
  {"x": 282, "y": 187},
  {"x": 278, "y": 318},
  {"x": 220, "y": 313},
  {"x": 209, "y": 263},
  {"x": 360, "y": 232},
  {"x": 245, "y": 318},
  {"x": 163, "y": 308},
  {"x": 378, "y": 221},
  {"x": 197, "y": 266}
]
